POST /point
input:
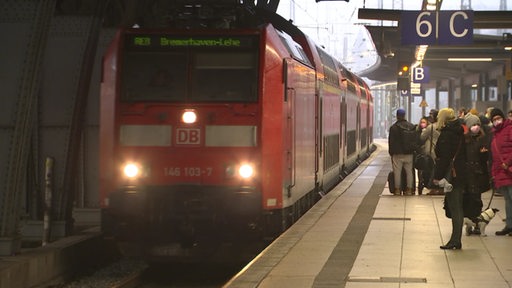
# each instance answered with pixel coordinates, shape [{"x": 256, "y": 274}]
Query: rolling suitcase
[{"x": 403, "y": 185}]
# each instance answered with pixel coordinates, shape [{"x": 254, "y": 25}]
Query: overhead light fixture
[
  {"x": 383, "y": 85},
  {"x": 420, "y": 52},
  {"x": 431, "y": 7},
  {"x": 508, "y": 48},
  {"x": 469, "y": 59}
]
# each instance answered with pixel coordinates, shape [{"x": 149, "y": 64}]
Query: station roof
[{"x": 391, "y": 52}]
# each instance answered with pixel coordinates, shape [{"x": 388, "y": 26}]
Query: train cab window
[
  {"x": 224, "y": 77},
  {"x": 154, "y": 77}
]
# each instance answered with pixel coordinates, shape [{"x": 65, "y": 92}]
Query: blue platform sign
[
  {"x": 436, "y": 27},
  {"x": 456, "y": 27},
  {"x": 418, "y": 27},
  {"x": 421, "y": 74}
]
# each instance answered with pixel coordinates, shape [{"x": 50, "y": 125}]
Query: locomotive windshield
[{"x": 189, "y": 69}]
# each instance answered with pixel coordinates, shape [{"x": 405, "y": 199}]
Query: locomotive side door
[{"x": 300, "y": 128}]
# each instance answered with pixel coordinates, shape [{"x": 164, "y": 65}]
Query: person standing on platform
[
  {"x": 429, "y": 137},
  {"x": 428, "y": 163},
  {"x": 401, "y": 155},
  {"x": 501, "y": 169},
  {"x": 451, "y": 167},
  {"x": 477, "y": 177}
]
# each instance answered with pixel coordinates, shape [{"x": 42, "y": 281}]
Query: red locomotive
[{"x": 220, "y": 135}]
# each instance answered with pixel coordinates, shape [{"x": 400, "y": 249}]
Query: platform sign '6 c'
[{"x": 436, "y": 27}]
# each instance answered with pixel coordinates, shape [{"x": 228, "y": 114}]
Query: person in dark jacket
[
  {"x": 501, "y": 169},
  {"x": 476, "y": 163},
  {"x": 423, "y": 179},
  {"x": 450, "y": 147},
  {"x": 399, "y": 157}
]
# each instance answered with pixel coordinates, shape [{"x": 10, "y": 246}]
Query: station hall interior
[
  {"x": 44, "y": 36},
  {"x": 365, "y": 35}
]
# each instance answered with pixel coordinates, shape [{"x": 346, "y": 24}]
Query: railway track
[{"x": 136, "y": 274}]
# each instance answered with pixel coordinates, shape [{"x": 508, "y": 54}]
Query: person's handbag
[
  {"x": 423, "y": 161},
  {"x": 450, "y": 174}
]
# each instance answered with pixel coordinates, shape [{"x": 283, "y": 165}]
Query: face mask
[
  {"x": 475, "y": 129},
  {"x": 423, "y": 125},
  {"x": 497, "y": 122}
]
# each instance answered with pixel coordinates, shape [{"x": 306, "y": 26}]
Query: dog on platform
[{"x": 478, "y": 225}]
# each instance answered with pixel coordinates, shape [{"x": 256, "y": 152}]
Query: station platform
[{"x": 360, "y": 235}]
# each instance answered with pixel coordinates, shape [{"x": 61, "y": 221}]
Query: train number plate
[{"x": 188, "y": 171}]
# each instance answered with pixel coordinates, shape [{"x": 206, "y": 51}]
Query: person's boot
[
  {"x": 397, "y": 192},
  {"x": 504, "y": 231},
  {"x": 409, "y": 192}
]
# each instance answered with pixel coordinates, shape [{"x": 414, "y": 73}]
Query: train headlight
[
  {"x": 246, "y": 171},
  {"x": 189, "y": 117},
  {"x": 131, "y": 170}
]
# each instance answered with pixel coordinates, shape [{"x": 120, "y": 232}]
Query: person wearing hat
[
  {"x": 429, "y": 137},
  {"x": 478, "y": 176},
  {"x": 501, "y": 169},
  {"x": 432, "y": 115},
  {"x": 401, "y": 157}
]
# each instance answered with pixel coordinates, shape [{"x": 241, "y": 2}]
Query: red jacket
[{"x": 501, "y": 147}]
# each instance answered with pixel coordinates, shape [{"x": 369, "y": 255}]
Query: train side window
[
  {"x": 362, "y": 88},
  {"x": 303, "y": 55},
  {"x": 351, "y": 85},
  {"x": 330, "y": 72},
  {"x": 294, "y": 48}
]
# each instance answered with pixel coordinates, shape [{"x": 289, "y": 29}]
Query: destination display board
[{"x": 166, "y": 41}]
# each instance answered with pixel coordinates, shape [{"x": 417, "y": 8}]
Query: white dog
[{"x": 481, "y": 222}]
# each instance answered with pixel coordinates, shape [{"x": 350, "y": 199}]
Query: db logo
[{"x": 188, "y": 136}]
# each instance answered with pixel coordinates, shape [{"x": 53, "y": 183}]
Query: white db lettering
[{"x": 188, "y": 136}]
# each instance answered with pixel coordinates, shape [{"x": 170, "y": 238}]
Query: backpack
[{"x": 409, "y": 137}]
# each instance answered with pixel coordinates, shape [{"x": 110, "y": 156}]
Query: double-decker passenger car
[{"x": 222, "y": 135}]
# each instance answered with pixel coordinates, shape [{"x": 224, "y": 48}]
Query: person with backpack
[{"x": 402, "y": 143}]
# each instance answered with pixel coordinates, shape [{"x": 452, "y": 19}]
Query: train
[{"x": 221, "y": 130}]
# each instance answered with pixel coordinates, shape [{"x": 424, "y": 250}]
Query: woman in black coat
[
  {"x": 478, "y": 177},
  {"x": 450, "y": 146}
]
